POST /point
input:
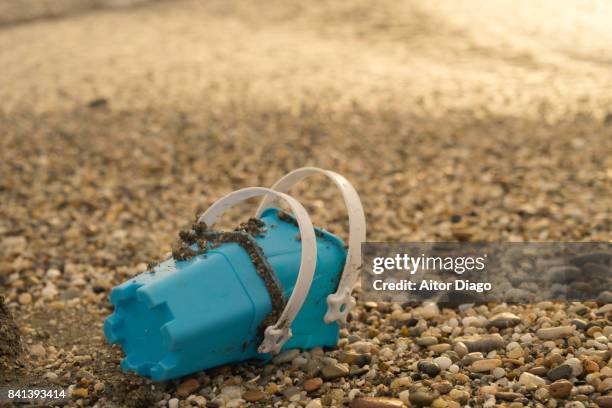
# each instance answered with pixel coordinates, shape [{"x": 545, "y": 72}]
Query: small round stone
[
  {"x": 485, "y": 365},
  {"x": 560, "y": 389},
  {"x": 25, "y": 299},
  {"x": 312, "y": 384},
  {"x": 187, "y": 387},
  {"x": 460, "y": 396},
  {"x": 38, "y": 351},
  {"x": 559, "y": 372},
  {"x": 333, "y": 371},
  {"x": 376, "y": 402},
  {"x": 254, "y": 395},
  {"x": 461, "y": 349},
  {"x": 423, "y": 397},
  {"x": 315, "y": 403},
  {"x": 430, "y": 368},
  {"x": 498, "y": 372},
  {"x": 443, "y": 362},
  {"x": 530, "y": 379}
]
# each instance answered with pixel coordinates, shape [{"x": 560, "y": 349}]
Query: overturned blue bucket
[{"x": 239, "y": 295}]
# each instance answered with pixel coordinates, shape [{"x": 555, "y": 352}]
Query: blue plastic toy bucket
[{"x": 239, "y": 296}]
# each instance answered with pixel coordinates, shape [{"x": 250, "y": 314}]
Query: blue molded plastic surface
[{"x": 192, "y": 315}]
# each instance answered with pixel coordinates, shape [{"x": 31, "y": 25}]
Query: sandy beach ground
[{"x": 486, "y": 121}]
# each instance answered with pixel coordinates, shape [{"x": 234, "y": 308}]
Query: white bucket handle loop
[
  {"x": 276, "y": 336},
  {"x": 341, "y": 302}
]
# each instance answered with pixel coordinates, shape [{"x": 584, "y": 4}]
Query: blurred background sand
[{"x": 542, "y": 61}]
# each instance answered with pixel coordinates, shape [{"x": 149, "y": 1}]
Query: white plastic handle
[
  {"x": 341, "y": 302},
  {"x": 277, "y": 335}
]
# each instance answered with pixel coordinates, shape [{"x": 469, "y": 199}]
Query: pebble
[
  {"x": 315, "y": 403},
  {"x": 439, "y": 348},
  {"x": 439, "y": 403},
  {"x": 474, "y": 321},
  {"x": 271, "y": 388},
  {"x": 498, "y": 372},
  {"x": 585, "y": 389},
  {"x": 530, "y": 379},
  {"x": 508, "y": 395},
  {"x": 554, "y": 333},
  {"x": 430, "y": 368},
  {"x": 442, "y": 387},
  {"x": 331, "y": 372},
  {"x": 538, "y": 370},
  {"x": 562, "y": 274},
  {"x": 51, "y": 377},
  {"x": 515, "y": 353},
  {"x": 604, "y": 401},
  {"x": 71, "y": 293},
  {"x": 376, "y": 402},
  {"x": 504, "y": 320},
  {"x": 461, "y": 378},
  {"x": 253, "y": 395},
  {"x": 312, "y": 384},
  {"x": 235, "y": 403},
  {"x": 352, "y": 338},
  {"x": 461, "y": 349},
  {"x": 232, "y": 391},
  {"x": 351, "y": 357},
  {"x": 401, "y": 382},
  {"x": 404, "y": 396},
  {"x": 443, "y": 362},
  {"x": 53, "y": 274},
  {"x": 300, "y": 362},
  {"x": 487, "y": 390},
  {"x": 460, "y": 396},
  {"x": 173, "y": 403},
  {"x": 187, "y": 387},
  {"x": 426, "y": 341},
  {"x": 485, "y": 365},
  {"x": 590, "y": 366},
  {"x": 49, "y": 291},
  {"x": 286, "y": 356},
  {"x": 605, "y": 386},
  {"x": 423, "y": 397},
  {"x": 362, "y": 346},
  {"x": 484, "y": 343},
  {"x": 605, "y": 309},
  {"x": 80, "y": 392},
  {"x": 576, "y": 365},
  {"x": 559, "y": 372},
  {"x": 292, "y": 394},
  {"x": 38, "y": 351},
  {"x": 14, "y": 245},
  {"x": 470, "y": 358},
  {"x": 579, "y": 323},
  {"x": 429, "y": 310},
  {"x": 560, "y": 389},
  {"x": 541, "y": 394},
  {"x": 574, "y": 404},
  {"x": 24, "y": 299}
]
